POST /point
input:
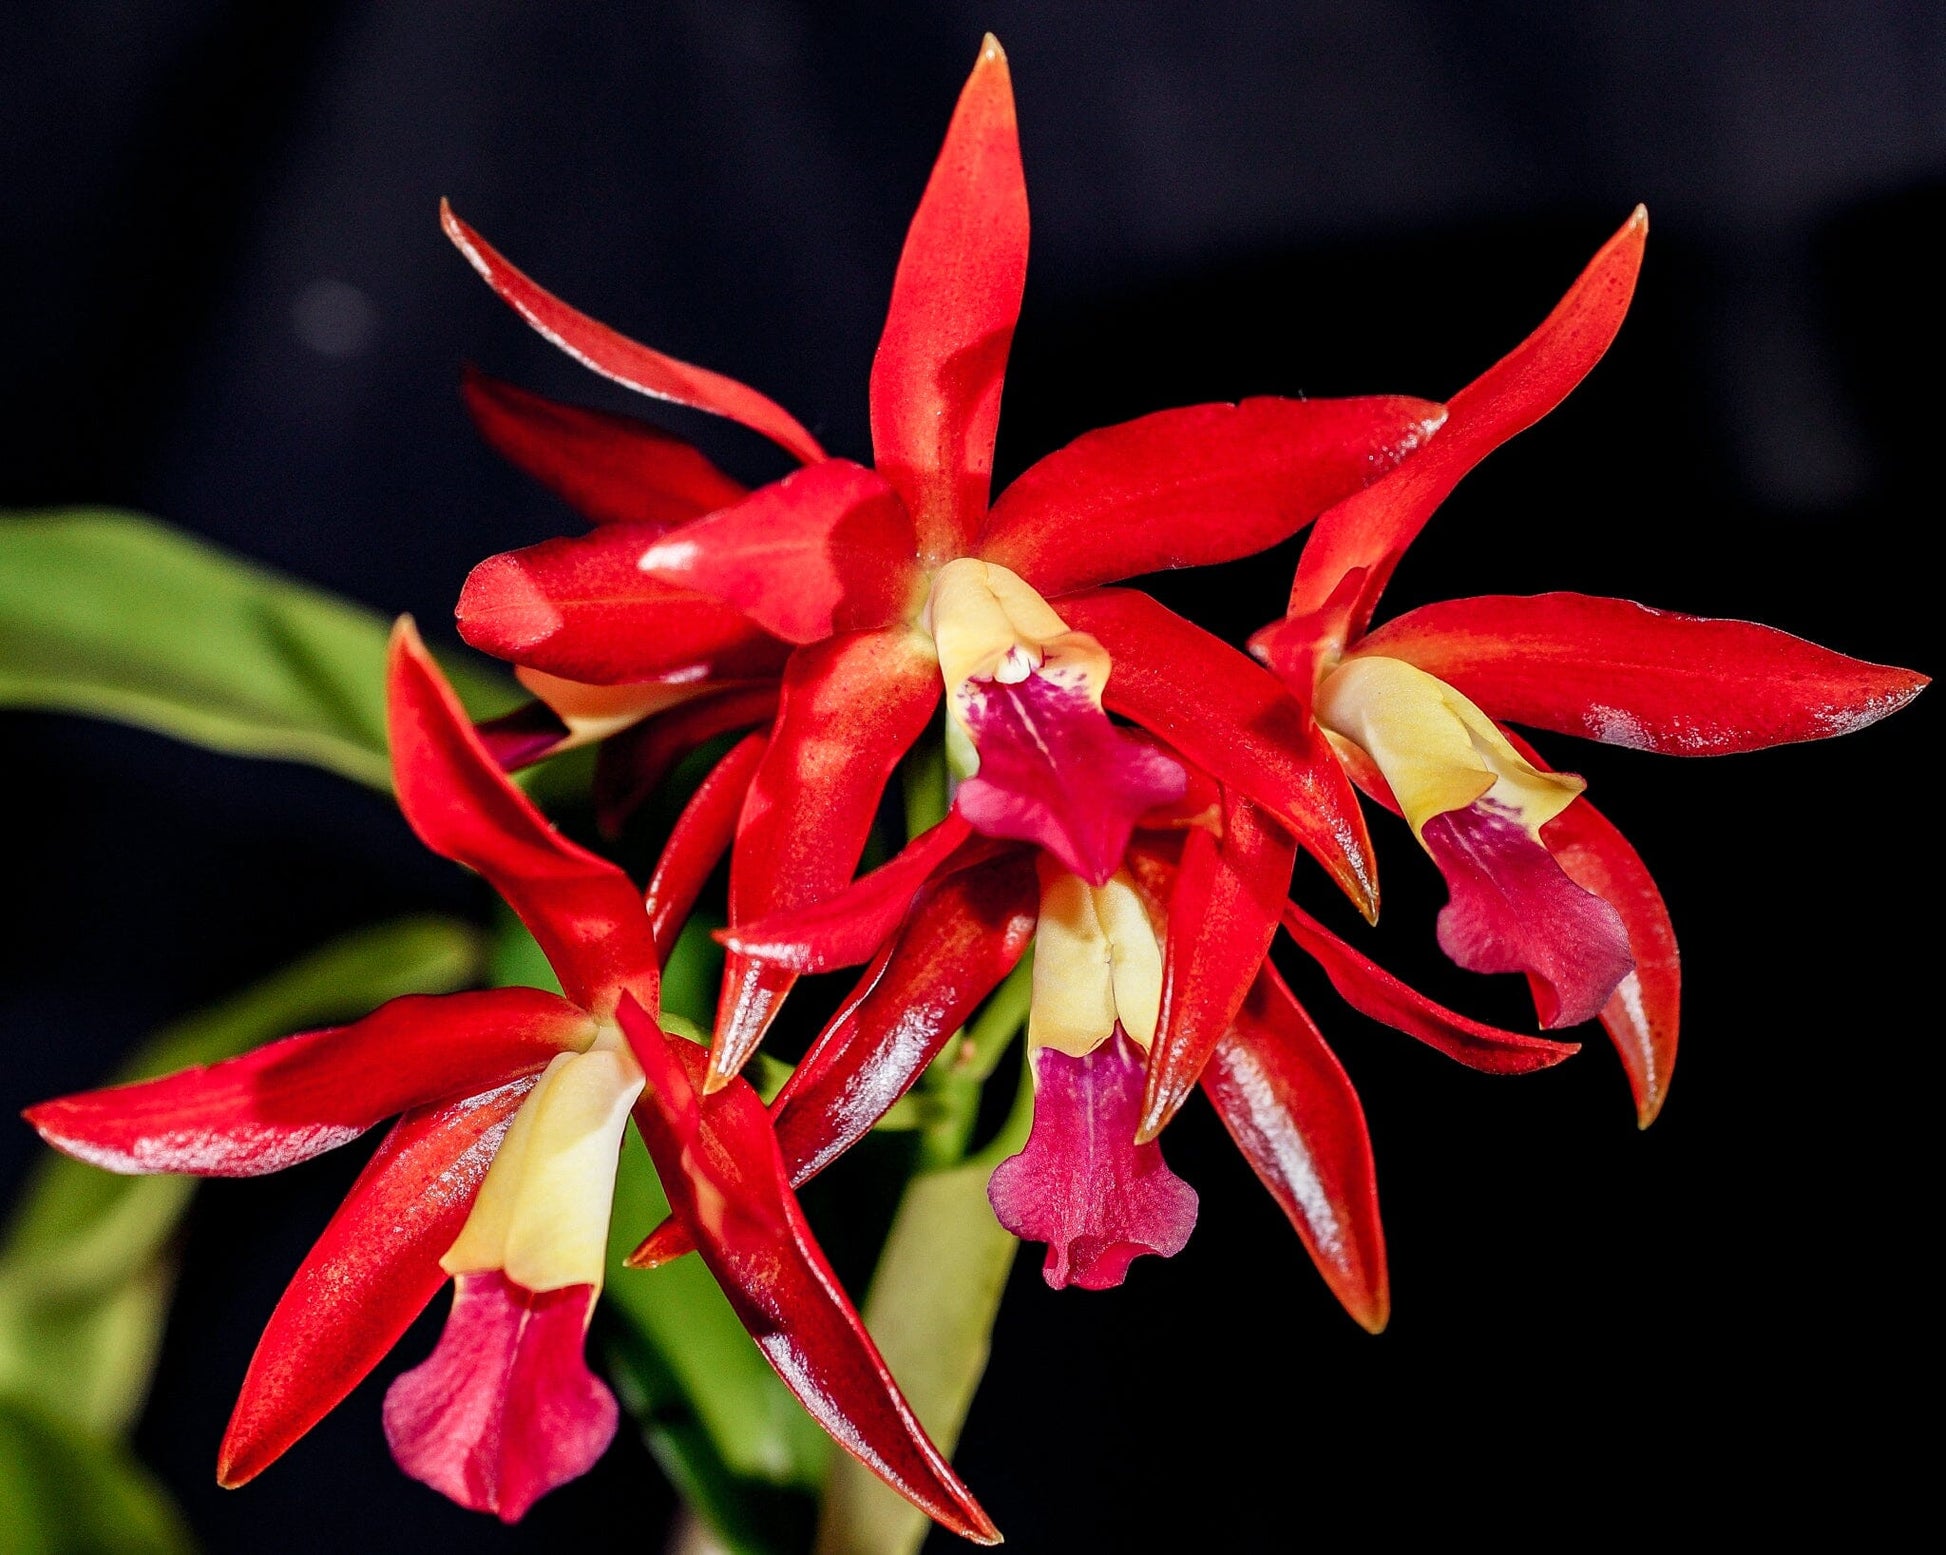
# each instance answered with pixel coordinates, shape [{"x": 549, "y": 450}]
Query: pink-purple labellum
[
  {"x": 1514, "y": 909},
  {"x": 1083, "y": 1186}
]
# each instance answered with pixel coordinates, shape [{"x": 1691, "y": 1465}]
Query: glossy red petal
[
  {"x": 615, "y": 356},
  {"x": 1373, "y": 991},
  {"x": 1083, "y": 1185},
  {"x": 584, "y": 912},
  {"x": 1235, "y": 720},
  {"x": 582, "y": 609},
  {"x": 1643, "y": 1018},
  {"x": 294, "y": 1099},
  {"x": 1289, "y": 1105},
  {"x": 1514, "y": 909},
  {"x": 1188, "y": 487},
  {"x": 699, "y": 840},
  {"x": 847, "y": 929},
  {"x": 369, "y": 1275},
  {"x": 726, "y": 1181},
  {"x": 1056, "y": 773},
  {"x": 505, "y": 1408},
  {"x": 1620, "y": 672},
  {"x": 827, "y": 549},
  {"x": 937, "y": 375},
  {"x": 851, "y": 708},
  {"x": 610, "y": 469},
  {"x": 1222, "y": 917},
  {"x": 632, "y": 765},
  {"x": 965, "y": 933},
  {"x": 1373, "y": 528}
]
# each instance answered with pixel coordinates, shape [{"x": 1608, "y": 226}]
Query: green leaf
[
  {"x": 84, "y": 1267},
  {"x": 118, "y": 616},
  {"x": 65, "y": 1492}
]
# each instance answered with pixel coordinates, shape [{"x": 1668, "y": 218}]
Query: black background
[{"x": 1591, "y": 1325}]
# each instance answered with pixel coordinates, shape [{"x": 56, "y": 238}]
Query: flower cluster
[{"x": 1130, "y": 799}]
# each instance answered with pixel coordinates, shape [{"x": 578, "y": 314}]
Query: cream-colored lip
[{"x": 1097, "y": 963}]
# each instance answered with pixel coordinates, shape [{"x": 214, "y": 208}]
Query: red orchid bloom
[
  {"x": 894, "y": 584},
  {"x": 1540, "y": 882},
  {"x": 1183, "y": 924},
  {"x": 499, "y": 1174}
]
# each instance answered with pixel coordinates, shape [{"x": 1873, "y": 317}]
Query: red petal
[
  {"x": 582, "y": 609},
  {"x": 505, "y": 1408},
  {"x": 1514, "y": 909},
  {"x": 1083, "y": 1185},
  {"x": 851, "y": 708},
  {"x": 1644, "y": 1016},
  {"x": 610, "y": 469},
  {"x": 1222, "y": 918},
  {"x": 582, "y": 909},
  {"x": 1373, "y": 528},
  {"x": 616, "y": 356},
  {"x": 632, "y": 765},
  {"x": 719, "y": 1164},
  {"x": 1648, "y": 679},
  {"x": 699, "y": 840},
  {"x": 370, "y": 1274},
  {"x": 826, "y": 549},
  {"x": 294, "y": 1099},
  {"x": 1235, "y": 720},
  {"x": 1289, "y": 1105},
  {"x": 1055, "y": 772},
  {"x": 847, "y": 929},
  {"x": 964, "y": 934},
  {"x": 1373, "y": 991},
  {"x": 936, "y": 378},
  {"x": 1188, "y": 487}
]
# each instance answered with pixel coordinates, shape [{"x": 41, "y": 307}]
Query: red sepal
[
  {"x": 699, "y": 839},
  {"x": 631, "y": 765},
  {"x": 1289, "y": 1105},
  {"x": 847, "y": 929},
  {"x": 297, "y": 1098},
  {"x": 851, "y": 708},
  {"x": 1222, "y": 917},
  {"x": 720, "y": 1166},
  {"x": 581, "y": 608},
  {"x": 1373, "y": 528},
  {"x": 936, "y": 378},
  {"x": 505, "y": 1408},
  {"x": 1371, "y": 990},
  {"x": 1083, "y": 1185},
  {"x": 827, "y": 549},
  {"x": 580, "y": 908},
  {"x": 615, "y": 356},
  {"x": 368, "y": 1276},
  {"x": 1644, "y": 1016},
  {"x": 1620, "y": 672},
  {"x": 1189, "y": 487},
  {"x": 609, "y": 469},
  {"x": 1235, "y": 720},
  {"x": 964, "y": 934}
]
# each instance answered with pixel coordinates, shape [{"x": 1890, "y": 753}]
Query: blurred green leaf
[
  {"x": 65, "y": 1492},
  {"x": 84, "y": 1266},
  {"x": 121, "y": 617}
]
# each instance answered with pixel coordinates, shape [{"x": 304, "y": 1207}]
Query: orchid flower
[
  {"x": 1541, "y": 883},
  {"x": 1128, "y": 975},
  {"x": 499, "y": 1175},
  {"x": 898, "y": 585}
]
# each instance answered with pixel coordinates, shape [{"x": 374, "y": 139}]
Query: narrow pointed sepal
[
  {"x": 698, "y": 841},
  {"x": 1291, "y": 1109},
  {"x": 1083, "y": 1185},
  {"x": 505, "y": 1409},
  {"x": 726, "y": 1180}
]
